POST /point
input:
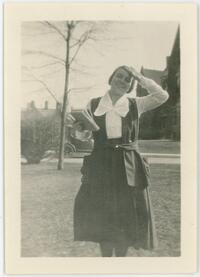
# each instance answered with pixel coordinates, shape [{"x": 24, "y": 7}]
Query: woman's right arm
[
  {"x": 157, "y": 95},
  {"x": 89, "y": 109},
  {"x": 78, "y": 125}
]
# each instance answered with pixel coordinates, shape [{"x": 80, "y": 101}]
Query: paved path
[
  {"x": 154, "y": 159},
  {"x": 162, "y": 160}
]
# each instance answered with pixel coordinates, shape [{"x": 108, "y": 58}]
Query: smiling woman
[
  {"x": 113, "y": 205},
  {"x": 122, "y": 78}
]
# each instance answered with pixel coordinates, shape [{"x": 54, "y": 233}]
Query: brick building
[{"x": 164, "y": 122}]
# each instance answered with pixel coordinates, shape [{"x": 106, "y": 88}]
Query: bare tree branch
[
  {"x": 80, "y": 71},
  {"x": 71, "y": 24},
  {"x": 47, "y": 88},
  {"x": 46, "y": 65},
  {"x": 78, "y": 90},
  {"x": 86, "y": 35},
  {"x": 86, "y": 67},
  {"x": 37, "y": 34},
  {"x": 55, "y": 28},
  {"x": 37, "y": 90},
  {"x": 24, "y": 80},
  {"x": 50, "y": 73},
  {"x": 75, "y": 44},
  {"x": 84, "y": 38},
  {"x": 41, "y": 82},
  {"x": 76, "y": 53},
  {"x": 98, "y": 51},
  {"x": 29, "y": 52}
]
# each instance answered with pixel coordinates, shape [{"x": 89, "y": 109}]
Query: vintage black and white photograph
[
  {"x": 100, "y": 121},
  {"x": 100, "y": 139}
]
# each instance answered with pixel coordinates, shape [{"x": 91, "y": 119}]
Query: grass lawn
[
  {"x": 47, "y": 211},
  {"x": 159, "y": 146}
]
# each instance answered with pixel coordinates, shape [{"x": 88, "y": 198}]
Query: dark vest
[
  {"x": 130, "y": 124},
  {"x": 137, "y": 168}
]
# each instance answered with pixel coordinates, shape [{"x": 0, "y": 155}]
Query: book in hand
[{"x": 86, "y": 119}]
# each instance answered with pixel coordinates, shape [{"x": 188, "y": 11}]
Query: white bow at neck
[{"x": 121, "y": 107}]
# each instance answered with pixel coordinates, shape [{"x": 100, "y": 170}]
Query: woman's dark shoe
[
  {"x": 106, "y": 249},
  {"x": 121, "y": 250}
]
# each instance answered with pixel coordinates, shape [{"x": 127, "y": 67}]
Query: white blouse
[{"x": 114, "y": 113}]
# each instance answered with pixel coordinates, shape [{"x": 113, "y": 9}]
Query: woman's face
[{"x": 121, "y": 80}]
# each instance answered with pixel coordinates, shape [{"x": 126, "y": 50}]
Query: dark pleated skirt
[{"x": 107, "y": 208}]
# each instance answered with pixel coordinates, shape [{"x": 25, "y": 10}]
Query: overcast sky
[{"x": 135, "y": 44}]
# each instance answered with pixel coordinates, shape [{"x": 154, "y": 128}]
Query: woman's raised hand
[{"x": 136, "y": 74}]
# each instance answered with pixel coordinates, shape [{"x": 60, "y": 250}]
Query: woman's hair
[{"x": 130, "y": 74}]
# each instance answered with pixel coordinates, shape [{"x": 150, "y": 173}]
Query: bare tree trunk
[{"x": 64, "y": 107}]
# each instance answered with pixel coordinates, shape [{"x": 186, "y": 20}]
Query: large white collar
[{"x": 121, "y": 107}]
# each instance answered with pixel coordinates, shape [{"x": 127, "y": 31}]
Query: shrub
[{"x": 38, "y": 136}]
